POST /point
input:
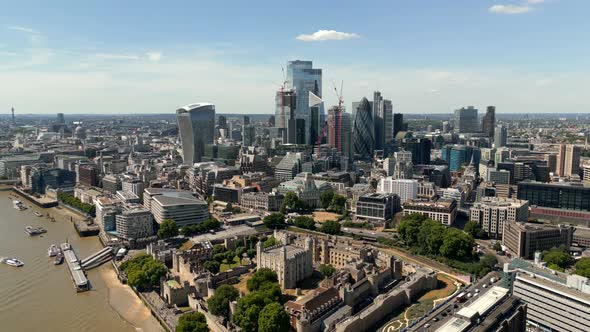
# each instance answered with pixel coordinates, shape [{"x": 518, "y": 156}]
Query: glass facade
[
  {"x": 363, "y": 141},
  {"x": 460, "y": 155},
  {"x": 304, "y": 78},
  {"x": 196, "y": 125},
  {"x": 558, "y": 196}
]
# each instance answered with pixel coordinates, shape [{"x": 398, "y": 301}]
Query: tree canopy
[
  {"x": 304, "y": 222},
  {"x": 168, "y": 229},
  {"x": 264, "y": 291},
  {"x": 208, "y": 224},
  {"x": 557, "y": 258},
  {"x": 474, "y": 229},
  {"x": 326, "y": 198},
  {"x": 330, "y": 227},
  {"x": 273, "y": 318},
  {"x": 327, "y": 270},
  {"x": 219, "y": 303},
  {"x": 192, "y": 322},
  {"x": 583, "y": 267},
  {"x": 275, "y": 221},
  {"x": 144, "y": 272},
  {"x": 292, "y": 203},
  {"x": 260, "y": 277},
  {"x": 212, "y": 266}
]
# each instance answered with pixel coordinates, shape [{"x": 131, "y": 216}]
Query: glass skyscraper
[
  {"x": 460, "y": 155},
  {"x": 196, "y": 126},
  {"x": 304, "y": 78},
  {"x": 466, "y": 120},
  {"x": 363, "y": 132}
]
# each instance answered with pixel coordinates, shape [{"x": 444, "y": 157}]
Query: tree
[
  {"x": 330, "y": 227},
  {"x": 212, "y": 266},
  {"x": 326, "y": 198},
  {"x": 430, "y": 236},
  {"x": 583, "y": 267},
  {"x": 240, "y": 251},
  {"x": 246, "y": 316},
  {"x": 473, "y": 228},
  {"x": 292, "y": 203},
  {"x": 488, "y": 261},
  {"x": 456, "y": 244},
  {"x": 557, "y": 257},
  {"x": 270, "y": 242},
  {"x": 219, "y": 303},
  {"x": 305, "y": 222},
  {"x": 273, "y": 318},
  {"x": 168, "y": 229},
  {"x": 497, "y": 246},
  {"x": 327, "y": 270},
  {"x": 251, "y": 253},
  {"x": 192, "y": 322},
  {"x": 274, "y": 221},
  {"x": 408, "y": 230},
  {"x": 338, "y": 204},
  {"x": 144, "y": 272},
  {"x": 260, "y": 277}
]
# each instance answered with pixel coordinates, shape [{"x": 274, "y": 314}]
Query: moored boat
[
  {"x": 13, "y": 262},
  {"x": 53, "y": 250}
]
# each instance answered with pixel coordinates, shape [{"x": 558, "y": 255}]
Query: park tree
[
  {"x": 326, "y": 198},
  {"x": 338, "y": 204},
  {"x": 456, "y": 244},
  {"x": 497, "y": 246},
  {"x": 168, "y": 229},
  {"x": 144, "y": 272},
  {"x": 292, "y": 203},
  {"x": 583, "y": 267},
  {"x": 219, "y": 303},
  {"x": 270, "y": 242},
  {"x": 260, "y": 277},
  {"x": 327, "y": 270},
  {"x": 330, "y": 227},
  {"x": 430, "y": 236},
  {"x": 212, "y": 266},
  {"x": 275, "y": 221},
  {"x": 557, "y": 258},
  {"x": 408, "y": 230},
  {"x": 474, "y": 229},
  {"x": 192, "y": 322},
  {"x": 304, "y": 222},
  {"x": 273, "y": 318}
]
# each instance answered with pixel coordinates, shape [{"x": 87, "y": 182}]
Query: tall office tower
[
  {"x": 286, "y": 102},
  {"x": 60, "y": 118},
  {"x": 346, "y": 134},
  {"x": 314, "y": 129},
  {"x": 296, "y": 131},
  {"x": 568, "y": 160},
  {"x": 489, "y": 122},
  {"x": 445, "y": 127},
  {"x": 363, "y": 136},
  {"x": 338, "y": 129},
  {"x": 458, "y": 156},
  {"x": 378, "y": 120},
  {"x": 389, "y": 166},
  {"x": 196, "y": 124},
  {"x": 420, "y": 149},
  {"x": 500, "y": 136},
  {"x": 246, "y": 120},
  {"x": 13, "y": 118},
  {"x": 466, "y": 120},
  {"x": 271, "y": 121},
  {"x": 398, "y": 123},
  {"x": 387, "y": 109},
  {"x": 248, "y": 135},
  {"x": 302, "y": 77},
  {"x": 551, "y": 160},
  {"x": 222, "y": 121}
]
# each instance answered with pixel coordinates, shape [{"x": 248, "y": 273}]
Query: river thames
[{"x": 40, "y": 296}]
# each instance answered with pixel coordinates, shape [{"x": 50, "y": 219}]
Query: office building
[
  {"x": 458, "y": 156},
  {"x": 523, "y": 239},
  {"x": 196, "y": 125},
  {"x": 133, "y": 185},
  {"x": 586, "y": 173},
  {"x": 492, "y": 212},
  {"x": 134, "y": 222},
  {"x": 568, "y": 160},
  {"x": 178, "y": 205},
  {"x": 363, "y": 133},
  {"x": 61, "y": 119},
  {"x": 339, "y": 130},
  {"x": 500, "y": 136},
  {"x": 289, "y": 166},
  {"x": 389, "y": 166},
  {"x": 248, "y": 135},
  {"x": 43, "y": 177},
  {"x": 404, "y": 188},
  {"x": 111, "y": 183},
  {"x": 443, "y": 210},
  {"x": 489, "y": 122},
  {"x": 495, "y": 176},
  {"x": 262, "y": 201},
  {"x": 398, "y": 123},
  {"x": 9, "y": 166},
  {"x": 88, "y": 175},
  {"x": 558, "y": 195},
  {"x": 420, "y": 149},
  {"x": 303, "y": 78},
  {"x": 377, "y": 207},
  {"x": 286, "y": 103},
  {"x": 222, "y": 121},
  {"x": 466, "y": 120},
  {"x": 555, "y": 302},
  {"x": 382, "y": 120},
  {"x": 296, "y": 131}
]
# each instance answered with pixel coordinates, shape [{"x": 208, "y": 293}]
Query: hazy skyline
[{"x": 426, "y": 56}]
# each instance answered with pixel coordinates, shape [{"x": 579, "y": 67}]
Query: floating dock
[{"x": 78, "y": 276}]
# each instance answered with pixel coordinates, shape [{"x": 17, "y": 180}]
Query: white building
[
  {"x": 492, "y": 212},
  {"x": 389, "y": 166},
  {"x": 404, "y": 188}
]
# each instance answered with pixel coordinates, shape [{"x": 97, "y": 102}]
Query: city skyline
[{"x": 521, "y": 56}]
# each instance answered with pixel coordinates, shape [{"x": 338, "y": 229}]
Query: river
[{"x": 40, "y": 296}]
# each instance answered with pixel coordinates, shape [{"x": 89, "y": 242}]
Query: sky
[{"x": 427, "y": 56}]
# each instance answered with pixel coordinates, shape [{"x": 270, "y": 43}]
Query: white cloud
[
  {"x": 23, "y": 29},
  {"x": 543, "y": 82},
  {"x": 115, "y": 56},
  {"x": 154, "y": 56},
  {"x": 532, "y": 2},
  {"x": 322, "y": 35},
  {"x": 510, "y": 9}
]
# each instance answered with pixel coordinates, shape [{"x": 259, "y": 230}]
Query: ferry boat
[
  {"x": 53, "y": 250},
  {"x": 32, "y": 231},
  {"x": 13, "y": 262}
]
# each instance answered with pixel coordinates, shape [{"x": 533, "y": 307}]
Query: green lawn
[{"x": 224, "y": 266}]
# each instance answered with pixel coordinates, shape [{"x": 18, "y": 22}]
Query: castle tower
[{"x": 259, "y": 253}]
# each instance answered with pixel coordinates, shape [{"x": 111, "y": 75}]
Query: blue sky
[{"x": 427, "y": 56}]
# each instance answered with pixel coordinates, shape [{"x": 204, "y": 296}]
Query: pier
[
  {"x": 98, "y": 258},
  {"x": 78, "y": 276}
]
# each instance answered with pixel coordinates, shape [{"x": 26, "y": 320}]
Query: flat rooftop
[
  {"x": 484, "y": 303},
  {"x": 238, "y": 230}
]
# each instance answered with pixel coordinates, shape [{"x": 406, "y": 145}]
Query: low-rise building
[
  {"x": 178, "y": 205},
  {"x": 443, "y": 210},
  {"x": 492, "y": 212},
  {"x": 377, "y": 207},
  {"x": 262, "y": 201},
  {"x": 523, "y": 239}
]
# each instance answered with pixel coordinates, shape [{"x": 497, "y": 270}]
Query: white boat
[
  {"x": 53, "y": 250},
  {"x": 13, "y": 262},
  {"x": 38, "y": 214},
  {"x": 32, "y": 231},
  {"x": 18, "y": 205}
]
